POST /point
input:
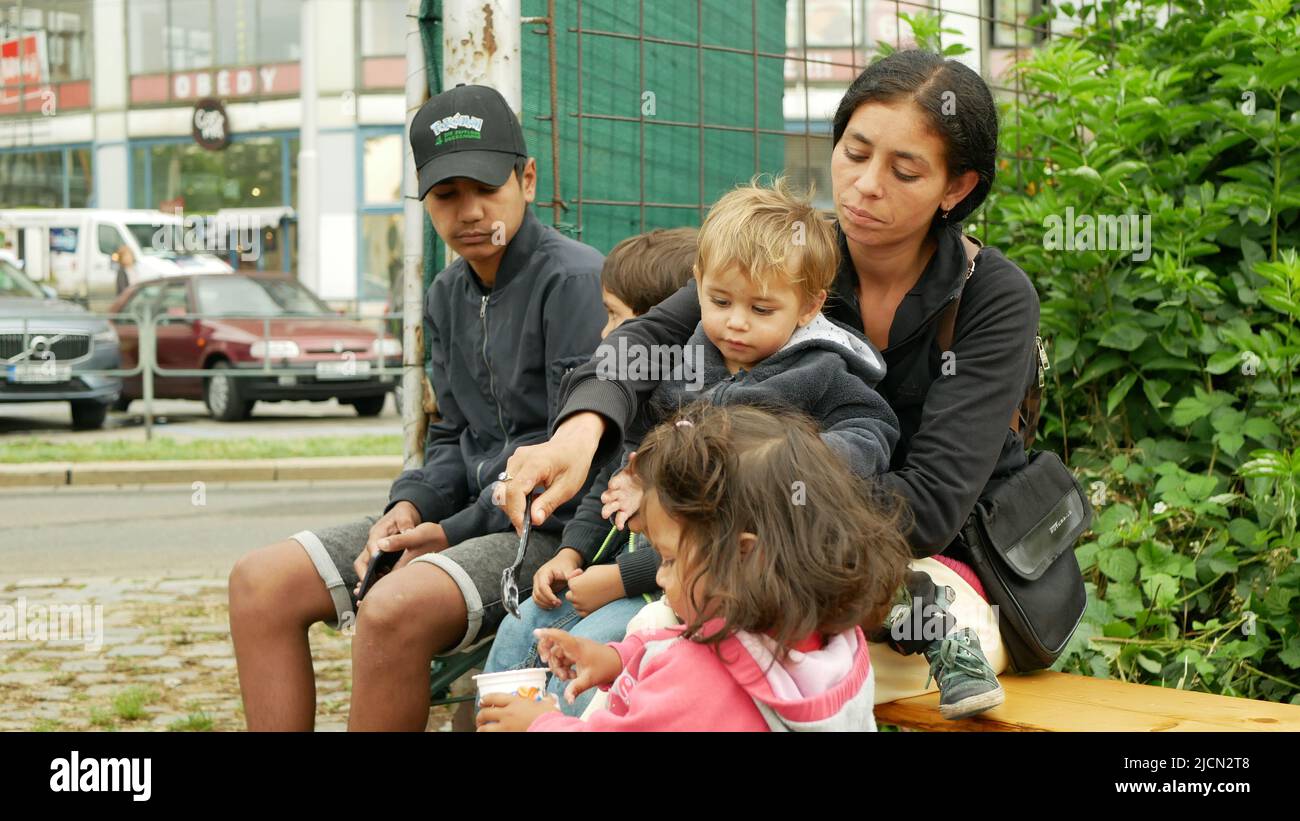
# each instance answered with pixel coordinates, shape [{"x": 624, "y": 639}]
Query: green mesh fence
[{"x": 660, "y": 107}]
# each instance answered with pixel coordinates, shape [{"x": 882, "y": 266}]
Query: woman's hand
[
  {"x": 581, "y": 662},
  {"x": 503, "y": 713},
  {"x": 595, "y": 587},
  {"x": 560, "y": 465},
  {"x": 622, "y": 497},
  {"x": 554, "y": 575}
]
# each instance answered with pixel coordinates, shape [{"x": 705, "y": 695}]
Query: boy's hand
[
  {"x": 595, "y": 587},
  {"x": 553, "y": 576},
  {"x": 503, "y": 713},
  {"x": 581, "y": 662},
  {"x": 426, "y": 538},
  {"x": 403, "y": 516},
  {"x": 622, "y": 497}
]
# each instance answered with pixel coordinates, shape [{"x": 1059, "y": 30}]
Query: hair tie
[{"x": 685, "y": 423}]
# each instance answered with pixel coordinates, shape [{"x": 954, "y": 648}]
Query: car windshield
[
  {"x": 15, "y": 283},
  {"x": 154, "y": 239},
  {"x": 163, "y": 240},
  {"x": 244, "y": 296}
]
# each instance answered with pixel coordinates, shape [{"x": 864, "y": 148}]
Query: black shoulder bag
[{"x": 1022, "y": 532}]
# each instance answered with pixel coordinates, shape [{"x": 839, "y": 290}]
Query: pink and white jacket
[{"x": 672, "y": 684}]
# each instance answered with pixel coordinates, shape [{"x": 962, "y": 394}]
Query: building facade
[{"x": 99, "y": 101}]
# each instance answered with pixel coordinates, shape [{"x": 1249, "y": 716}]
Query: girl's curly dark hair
[{"x": 828, "y": 555}]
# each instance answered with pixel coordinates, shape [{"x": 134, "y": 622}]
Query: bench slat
[{"x": 1062, "y": 702}]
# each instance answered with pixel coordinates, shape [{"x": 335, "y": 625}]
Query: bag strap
[
  {"x": 948, "y": 319},
  {"x": 1027, "y": 412}
]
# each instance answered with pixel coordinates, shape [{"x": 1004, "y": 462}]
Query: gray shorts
[{"x": 474, "y": 564}]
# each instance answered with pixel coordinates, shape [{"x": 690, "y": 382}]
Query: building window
[
  {"x": 249, "y": 173},
  {"x": 47, "y": 178},
  {"x": 278, "y": 32},
  {"x": 383, "y": 28},
  {"x": 383, "y": 169},
  {"x": 226, "y": 48},
  {"x": 383, "y": 25},
  {"x": 236, "y": 32},
  {"x": 146, "y": 20},
  {"x": 45, "y": 56},
  {"x": 380, "y": 253},
  {"x": 187, "y": 39},
  {"x": 1010, "y": 23}
]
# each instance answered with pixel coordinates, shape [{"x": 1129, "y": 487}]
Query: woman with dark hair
[{"x": 915, "y": 144}]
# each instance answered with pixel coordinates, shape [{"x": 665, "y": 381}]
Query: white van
[{"x": 76, "y": 250}]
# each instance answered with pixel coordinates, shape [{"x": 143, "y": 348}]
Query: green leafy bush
[{"x": 1172, "y": 387}]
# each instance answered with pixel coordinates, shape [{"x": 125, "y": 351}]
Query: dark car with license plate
[
  {"x": 48, "y": 349},
  {"x": 224, "y": 323}
]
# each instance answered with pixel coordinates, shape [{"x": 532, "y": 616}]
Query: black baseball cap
[{"x": 466, "y": 131}]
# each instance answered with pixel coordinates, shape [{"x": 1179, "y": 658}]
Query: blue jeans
[{"x": 515, "y": 647}]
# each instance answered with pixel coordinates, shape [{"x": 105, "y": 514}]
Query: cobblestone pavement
[{"x": 166, "y": 661}]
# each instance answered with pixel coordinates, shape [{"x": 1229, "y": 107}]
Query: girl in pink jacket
[{"x": 773, "y": 553}]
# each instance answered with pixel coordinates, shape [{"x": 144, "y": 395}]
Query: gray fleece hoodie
[{"x": 825, "y": 370}]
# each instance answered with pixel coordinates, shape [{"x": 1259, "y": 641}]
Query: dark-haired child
[
  {"x": 608, "y": 579},
  {"x": 771, "y": 588}
]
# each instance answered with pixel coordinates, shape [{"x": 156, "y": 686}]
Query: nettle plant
[{"x": 1172, "y": 387}]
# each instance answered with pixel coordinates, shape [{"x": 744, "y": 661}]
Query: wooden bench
[{"x": 1059, "y": 702}]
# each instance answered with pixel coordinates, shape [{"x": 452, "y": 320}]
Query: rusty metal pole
[
  {"x": 414, "y": 420},
  {"x": 481, "y": 46}
]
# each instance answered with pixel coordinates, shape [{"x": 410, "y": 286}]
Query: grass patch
[
  {"x": 197, "y": 722},
  {"x": 47, "y": 725},
  {"x": 102, "y": 718},
  {"x": 129, "y": 704},
  {"x": 165, "y": 448}
]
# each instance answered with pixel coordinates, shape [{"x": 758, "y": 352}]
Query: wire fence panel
[{"x": 642, "y": 113}]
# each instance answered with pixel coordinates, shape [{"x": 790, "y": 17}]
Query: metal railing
[{"x": 347, "y": 367}]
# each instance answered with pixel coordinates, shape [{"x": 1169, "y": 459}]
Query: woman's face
[{"x": 889, "y": 174}]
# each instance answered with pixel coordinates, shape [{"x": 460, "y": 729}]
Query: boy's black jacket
[
  {"x": 497, "y": 358},
  {"x": 954, "y": 410}
]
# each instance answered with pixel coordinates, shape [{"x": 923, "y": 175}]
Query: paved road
[
  {"x": 183, "y": 419},
  {"x": 157, "y": 530}
]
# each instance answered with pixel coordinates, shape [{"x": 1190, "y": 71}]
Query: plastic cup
[{"x": 530, "y": 683}]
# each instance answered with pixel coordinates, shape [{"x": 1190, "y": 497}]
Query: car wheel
[
  {"x": 87, "y": 414},
  {"x": 224, "y": 396},
  {"x": 370, "y": 405}
]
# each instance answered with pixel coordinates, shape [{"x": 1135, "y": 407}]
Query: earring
[{"x": 946, "y": 213}]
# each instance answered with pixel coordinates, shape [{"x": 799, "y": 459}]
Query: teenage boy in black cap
[{"x": 519, "y": 308}]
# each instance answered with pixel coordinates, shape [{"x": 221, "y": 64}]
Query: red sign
[
  {"x": 22, "y": 61},
  {"x": 278, "y": 79}
]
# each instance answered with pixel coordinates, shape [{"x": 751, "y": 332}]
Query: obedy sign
[
  {"x": 228, "y": 82},
  {"x": 210, "y": 127}
]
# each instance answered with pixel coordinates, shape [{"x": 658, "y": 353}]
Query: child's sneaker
[{"x": 967, "y": 684}]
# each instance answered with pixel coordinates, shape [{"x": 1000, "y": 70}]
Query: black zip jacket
[
  {"x": 497, "y": 359},
  {"x": 954, "y": 412}
]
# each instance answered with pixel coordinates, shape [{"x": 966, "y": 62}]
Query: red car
[{"x": 337, "y": 354}]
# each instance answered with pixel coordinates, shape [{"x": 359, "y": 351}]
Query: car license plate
[
  {"x": 39, "y": 373},
  {"x": 342, "y": 369}
]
